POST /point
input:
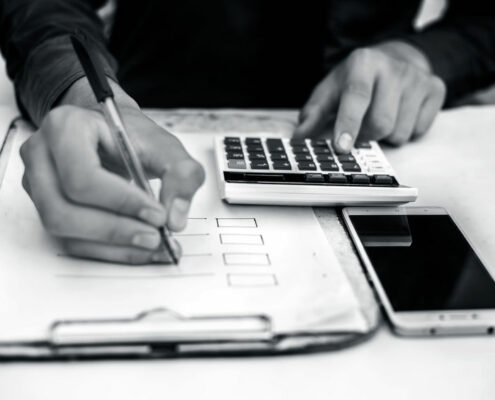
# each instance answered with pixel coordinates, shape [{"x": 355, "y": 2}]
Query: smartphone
[{"x": 426, "y": 274}]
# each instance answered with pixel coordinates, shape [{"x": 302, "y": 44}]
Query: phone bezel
[{"x": 421, "y": 323}]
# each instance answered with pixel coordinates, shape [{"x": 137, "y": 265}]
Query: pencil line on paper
[{"x": 154, "y": 276}]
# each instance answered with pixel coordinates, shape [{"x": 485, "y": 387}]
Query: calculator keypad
[{"x": 307, "y": 160}]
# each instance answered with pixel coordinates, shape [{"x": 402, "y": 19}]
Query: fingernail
[
  {"x": 178, "y": 213},
  {"x": 161, "y": 257},
  {"x": 147, "y": 240},
  {"x": 153, "y": 216},
  {"x": 345, "y": 142}
]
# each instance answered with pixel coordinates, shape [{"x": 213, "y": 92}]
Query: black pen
[{"x": 105, "y": 97}]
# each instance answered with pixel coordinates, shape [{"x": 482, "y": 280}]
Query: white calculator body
[{"x": 271, "y": 170}]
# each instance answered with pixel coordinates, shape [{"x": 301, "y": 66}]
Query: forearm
[{"x": 35, "y": 40}]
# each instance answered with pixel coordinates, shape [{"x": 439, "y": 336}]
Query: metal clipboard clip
[{"x": 160, "y": 327}]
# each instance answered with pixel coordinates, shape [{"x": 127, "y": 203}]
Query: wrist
[
  {"x": 80, "y": 94},
  {"x": 406, "y": 52}
]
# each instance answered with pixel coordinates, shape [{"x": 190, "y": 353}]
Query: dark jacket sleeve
[
  {"x": 461, "y": 46},
  {"x": 35, "y": 41}
]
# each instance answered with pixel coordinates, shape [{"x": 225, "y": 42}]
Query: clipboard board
[{"x": 164, "y": 332}]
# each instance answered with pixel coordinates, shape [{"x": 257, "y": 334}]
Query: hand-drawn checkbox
[
  {"x": 237, "y": 223},
  {"x": 238, "y": 238},
  {"x": 251, "y": 280},
  {"x": 246, "y": 259}
]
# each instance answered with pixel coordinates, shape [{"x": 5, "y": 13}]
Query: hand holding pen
[{"x": 76, "y": 178}]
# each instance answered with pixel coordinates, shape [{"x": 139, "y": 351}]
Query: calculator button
[
  {"x": 318, "y": 142},
  {"x": 257, "y": 156},
  {"x": 321, "y": 150},
  {"x": 259, "y": 164},
  {"x": 232, "y": 148},
  {"x": 276, "y": 149},
  {"x": 337, "y": 178},
  {"x": 297, "y": 142},
  {"x": 232, "y": 140},
  {"x": 273, "y": 143},
  {"x": 306, "y": 166},
  {"x": 252, "y": 140},
  {"x": 281, "y": 165},
  {"x": 253, "y": 148},
  {"x": 314, "y": 178},
  {"x": 237, "y": 164},
  {"x": 362, "y": 145},
  {"x": 278, "y": 156},
  {"x": 383, "y": 180},
  {"x": 300, "y": 149},
  {"x": 304, "y": 157},
  {"x": 329, "y": 166},
  {"x": 346, "y": 158},
  {"x": 360, "y": 179},
  {"x": 235, "y": 156},
  {"x": 351, "y": 167},
  {"x": 324, "y": 157}
]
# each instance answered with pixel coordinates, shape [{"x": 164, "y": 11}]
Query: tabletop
[{"x": 453, "y": 167}]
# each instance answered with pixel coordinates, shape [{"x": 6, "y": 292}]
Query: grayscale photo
[{"x": 247, "y": 199}]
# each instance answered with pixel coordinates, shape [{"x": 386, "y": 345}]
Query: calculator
[{"x": 265, "y": 169}]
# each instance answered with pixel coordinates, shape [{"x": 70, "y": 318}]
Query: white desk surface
[{"x": 453, "y": 167}]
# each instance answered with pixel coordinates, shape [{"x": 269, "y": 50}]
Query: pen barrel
[{"x": 125, "y": 146}]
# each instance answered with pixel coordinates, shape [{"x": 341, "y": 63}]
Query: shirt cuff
[{"x": 49, "y": 71}]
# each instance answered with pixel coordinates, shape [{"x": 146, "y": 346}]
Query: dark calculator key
[
  {"x": 300, "y": 149},
  {"x": 314, "y": 178},
  {"x": 306, "y": 165},
  {"x": 276, "y": 149},
  {"x": 254, "y": 148},
  {"x": 351, "y": 167},
  {"x": 252, "y": 140},
  {"x": 318, "y": 142},
  {"x": 231, "y": 140},
  {"x": 237, "y": 164},
  {"x": 383, "y": 180},
  {"x": 304, "y": 157},
  {"x": 278, "y": 156},
  {"x": 233, "y": 148},
  {"x": 257, "y": 156},
  {"x": 329, "y": 166},
  {"x": 360, "y": 179},
  {"x": 235, "y": 156},
  {"x": 273, "y": 143},
  {"x": 337, "y": 178},
  {"x": 362, "y": 145},
  {"x": 325, "y": 157},
  {"x": 297, "y": 142},
  {"x": 259, "y": 164},
  {"x": 346, "y": 158},
  {"x": 321, "y": 150},
  {"x": 281, "y": 165}
]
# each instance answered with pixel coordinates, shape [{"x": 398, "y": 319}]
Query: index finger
[{"x": 354, "y": 103}]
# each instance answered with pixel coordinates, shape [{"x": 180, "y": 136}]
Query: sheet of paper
[{"x": 237, "y": 260}]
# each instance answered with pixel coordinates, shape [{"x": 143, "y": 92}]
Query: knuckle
[
  {"x": 358, "y": 88},
  {"x": 113, "y": 233},
  {"x": 53, "y": 221},
  {"x": 362, "y": 55},
  {"x": 76, "y": 186},
  {"x": 198, "y": 174}
]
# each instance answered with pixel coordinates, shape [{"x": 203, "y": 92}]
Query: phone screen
[{"x": 424, "y": 263}]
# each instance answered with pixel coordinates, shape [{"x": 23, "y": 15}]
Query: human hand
[
  {"x": 73, "y": 174},
  {"x": 384, "y": 92}
]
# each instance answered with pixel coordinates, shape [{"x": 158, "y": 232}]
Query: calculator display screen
[{"x": 424, "y": 263}]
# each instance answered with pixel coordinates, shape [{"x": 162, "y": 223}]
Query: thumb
[{"x": 318, "y": 109}]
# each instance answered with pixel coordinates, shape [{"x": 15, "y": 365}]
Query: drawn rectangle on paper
[
  {"x": 251, "y": 280},
  {"x": 246, "y": 259},
  {"x": 237, "y": 223},
  {"x": 237, "y": 238}
]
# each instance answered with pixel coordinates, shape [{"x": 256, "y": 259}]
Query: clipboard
[{"x": 161, "y": 331}]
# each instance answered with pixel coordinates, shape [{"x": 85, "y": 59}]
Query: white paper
[{"x": 293, "y": 276}]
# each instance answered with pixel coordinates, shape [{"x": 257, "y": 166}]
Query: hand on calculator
[{"x": 385, "y": 92}]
